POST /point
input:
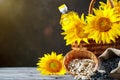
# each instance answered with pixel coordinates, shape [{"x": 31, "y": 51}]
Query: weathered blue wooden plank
[{"x": 27, "y": 73}]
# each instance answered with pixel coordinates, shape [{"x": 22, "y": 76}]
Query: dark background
[{"x": 30, "y": 28}]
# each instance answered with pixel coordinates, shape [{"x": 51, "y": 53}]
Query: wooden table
[{"x": 27, "y": 73}]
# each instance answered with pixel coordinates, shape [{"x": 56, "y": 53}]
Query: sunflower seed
[{"x": 83, "y": 68}]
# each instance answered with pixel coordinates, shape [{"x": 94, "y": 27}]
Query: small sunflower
[
  {"x": 116, "y": 5},
  {"x": 51, "y": 64},
  {"x": 102, "y": 26},
  {"x": 73, "y": 27}
]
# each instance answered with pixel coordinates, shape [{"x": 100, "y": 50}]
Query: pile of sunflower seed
[
  {"x": 107, "y": 66},
  {"x": 82, "y": 68}
]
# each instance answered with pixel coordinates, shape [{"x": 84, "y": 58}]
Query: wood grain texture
[{"x": 27, "y": 73}]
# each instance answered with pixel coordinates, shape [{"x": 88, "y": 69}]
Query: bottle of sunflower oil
[{"x": 68, "y": 18}]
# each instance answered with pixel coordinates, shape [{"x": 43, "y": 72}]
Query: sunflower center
[
  {"x": 54, "y": 66},
  {"x": 80, "y": 32},
  {"x": 103, "y": 24}
]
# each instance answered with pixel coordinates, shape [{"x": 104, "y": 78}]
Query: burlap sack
[{"x": 108, "y": 53}]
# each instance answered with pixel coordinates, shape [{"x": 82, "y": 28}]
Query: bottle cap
[{"x": 63, "y": 8}]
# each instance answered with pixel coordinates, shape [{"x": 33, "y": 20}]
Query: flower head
[
  {"x": 116, "y": 5},
  {"x": 73, "y": 27},
  {"x": 102, "y": 26},
  {"x": 51, "y": 64}
]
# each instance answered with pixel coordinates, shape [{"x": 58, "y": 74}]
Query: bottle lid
[{"x": 63, "y": 8}]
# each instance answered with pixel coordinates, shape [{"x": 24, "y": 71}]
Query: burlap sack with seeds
[{"x": 108, "y": 53}]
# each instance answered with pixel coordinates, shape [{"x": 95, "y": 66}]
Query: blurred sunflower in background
[
  {"x": 102, "y": 26},
  {"x": 51, "y": 64},
  {"x": 115, "y": 4}
]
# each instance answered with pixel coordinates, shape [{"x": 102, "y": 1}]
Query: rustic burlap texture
[{"x": 108, "y": 53}]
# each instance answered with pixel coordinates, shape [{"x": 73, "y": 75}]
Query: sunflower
[
  {"x": 102, "y": 26},
  {"x": 51, "y": 64},
  {"x": 116, "y": 5},
  {"x": 73, "y": 27}
]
